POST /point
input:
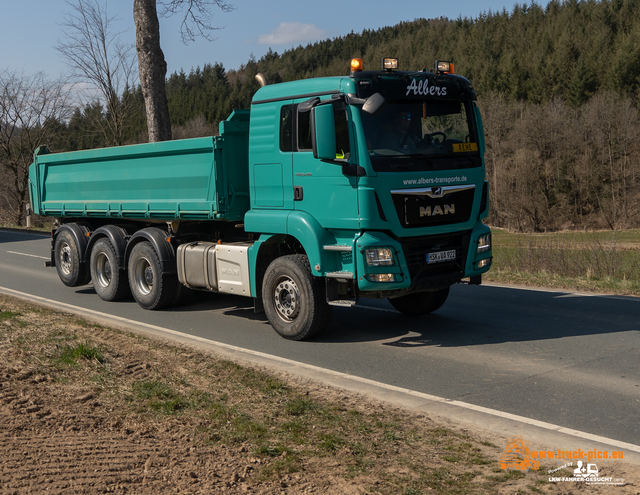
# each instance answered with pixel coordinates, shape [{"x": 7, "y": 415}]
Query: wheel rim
[
  {"x": 65, "y": 258},
  {"x": 103, "y": 270},
  {"x": 286, "y": 299},
  {"x": 143, "y": 276}
]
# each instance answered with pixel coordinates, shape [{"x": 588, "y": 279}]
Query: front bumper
[{"x": 411, "y": 272}]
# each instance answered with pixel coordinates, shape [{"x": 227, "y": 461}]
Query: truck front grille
[{"x": 433, "y": 206}]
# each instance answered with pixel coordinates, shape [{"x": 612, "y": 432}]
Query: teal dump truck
[{"x": 325, "y": 191}]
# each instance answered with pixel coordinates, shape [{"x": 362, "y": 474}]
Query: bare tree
[
  {"x": 557, "y": 167},
  {"x": 151, "y": 61},
  {"x": 195, "y": 127},
  {"x": 196, "y": 16},
  {"x": 614, "y": 129},
  {"x": 31, "y": 109},
  {"x": 498, "y": 116},
  {"x": 153, "y": 69},
  {"x": 92, "y": 49}
]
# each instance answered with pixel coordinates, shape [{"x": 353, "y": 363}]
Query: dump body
[{"x": 190, "y": 179}]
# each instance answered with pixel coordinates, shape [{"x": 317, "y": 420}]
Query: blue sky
[{"x": 29, "y": 29}]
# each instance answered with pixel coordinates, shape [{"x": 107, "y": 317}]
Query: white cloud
[{"x": 288, "y": 33}]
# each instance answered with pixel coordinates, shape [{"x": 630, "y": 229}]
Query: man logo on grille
[{"x": 437, "y": 210}]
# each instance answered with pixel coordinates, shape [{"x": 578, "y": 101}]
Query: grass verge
[
  {"x": 303, "y": 435},
  {"x": 587, "y": 261}
]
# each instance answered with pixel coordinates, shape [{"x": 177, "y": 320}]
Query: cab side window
[
  {"x": 286, "y": 128},
  {"x": 341, "y": 119},
  {"x": 295, "y": 130},
  {"x": 304, "y": 131}
]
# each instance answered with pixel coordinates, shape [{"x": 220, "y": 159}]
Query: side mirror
[
  {"x": 374, "y": 104},
  {"x": 323, "y": 132}
]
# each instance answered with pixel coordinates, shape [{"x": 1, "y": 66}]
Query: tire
[
  {"x": 420, "y": 303},
  {"x": 149, "y": 286},
  {"x": 67, "y": 257},
  {"x": 294, "y": 300},
  {"x": 109, "y": 281}
]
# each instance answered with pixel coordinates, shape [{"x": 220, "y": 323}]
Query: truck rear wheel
[
  {"x": 293, "y": 299},
  {"x": 67, "y": 257},
  {"x": 420, "y": 303},
  {"x": 109, "y": 281},
  {"x": 150, "y": 287}
]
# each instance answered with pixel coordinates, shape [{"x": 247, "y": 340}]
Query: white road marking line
[
  {"x": 414, "y": 393},
  {"x": 31, "y": 233},
  {"x": 542, "y": 289},
  {"x": 30, "y": 255}
]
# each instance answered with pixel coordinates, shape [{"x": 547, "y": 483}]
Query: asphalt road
[{"x": 563, "y": 358}]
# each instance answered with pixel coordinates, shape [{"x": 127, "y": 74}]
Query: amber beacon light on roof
[
  {"x": 391, "y": 64},
  {"x": 357, "y": 65}
]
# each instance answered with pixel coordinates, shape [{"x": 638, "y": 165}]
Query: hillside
[{"x": 558, "y": 88}]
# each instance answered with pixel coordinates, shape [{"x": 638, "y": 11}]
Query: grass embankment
[
  {"x": 603, "y": 261},
  {"x": 289, "y": 434}
]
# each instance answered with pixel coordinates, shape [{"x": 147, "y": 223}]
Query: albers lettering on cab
[{"x": 422, "y": 88}]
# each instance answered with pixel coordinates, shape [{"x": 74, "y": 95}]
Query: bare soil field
[{"x": 87, "y": 410}]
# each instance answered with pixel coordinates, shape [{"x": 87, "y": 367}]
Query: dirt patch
[{"x": 86, "y": 409}]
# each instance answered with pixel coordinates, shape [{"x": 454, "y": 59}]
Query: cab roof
[{"x": 304, "y": 89}]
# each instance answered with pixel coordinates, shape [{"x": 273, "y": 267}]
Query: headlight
[
  {"x": 379, "y": 256},
  {"x": 484, "y": 243}
]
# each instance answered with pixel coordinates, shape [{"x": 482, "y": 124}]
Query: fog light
[
  {"x": 484, "y": 243},
  {"x": 381, "y": 277},
  {"x": 483, "y": 263},
  {"x": 379, "y": 257}
]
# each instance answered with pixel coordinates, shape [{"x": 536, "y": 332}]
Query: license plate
[{"x": 441, "y": 256}]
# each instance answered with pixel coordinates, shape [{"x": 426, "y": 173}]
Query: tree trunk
[{"x": 153, "y": 69}]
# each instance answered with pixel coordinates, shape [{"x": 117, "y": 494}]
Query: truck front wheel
[
  {"x": 150, "y": 287},
  {"x": 420, "y": 303},
  {"x": 67, "y": 256},
  {"x": 293, "y": 299},
  {"x": 109, "y": 282}
]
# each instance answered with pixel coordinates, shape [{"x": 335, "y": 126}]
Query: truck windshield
[{"x": 427, "y": 135}]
